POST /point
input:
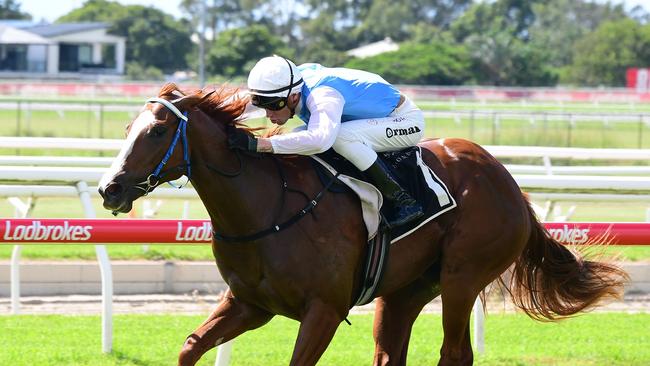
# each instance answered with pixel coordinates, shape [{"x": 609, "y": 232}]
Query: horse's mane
[{"x": 226, "y": 105}]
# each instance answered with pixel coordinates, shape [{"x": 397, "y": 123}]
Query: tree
[
  {"x": 10, "y": 9},
  {"x": 96, "y": 11},
  {"x": 220, "y": 15},
  {"x": 559, "y": 24},
  {"x": 435, "y": 63},
  {"x": 603, "y": 56},
  {"x": 154, "y": 39},
  {"x": 501, "y": 60},
  {"x": 498, "y": 39},
  {"x": 235, "y": 51},
  {"x": 513, "y": 17},
  {"x": 387, "y": 18},
  {"x": 322, "y": 42}
]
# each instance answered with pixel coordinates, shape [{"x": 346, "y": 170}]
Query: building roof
[
  {"x": 11, "y": 35},
  {"x": 53, "y": 30},
  {"x": 372, "y": 49},
  {"x": 20, "y": 23}
]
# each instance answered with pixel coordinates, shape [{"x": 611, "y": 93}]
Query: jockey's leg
[
  {"x": 231, "y": 318},
  {"x": 405, "y": 208},
  {"x": 317, "y": 328},
  {"x": 359, "y": 140}
]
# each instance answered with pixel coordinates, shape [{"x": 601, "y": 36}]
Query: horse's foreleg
[
  {"x": 394, "y": 317},
  {"x": 317, "y": 328},
  {"x": 231, "y": 318}
]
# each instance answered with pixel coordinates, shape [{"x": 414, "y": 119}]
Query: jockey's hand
[{"x": 241, "y": 140}]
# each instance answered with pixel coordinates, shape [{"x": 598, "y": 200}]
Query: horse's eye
[{"x": 157, "y": 131}]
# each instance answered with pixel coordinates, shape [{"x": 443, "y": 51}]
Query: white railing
[
  {"x": 526, "y": 181},
  {"x": 542, "y": 116},
  {"x": 63, "y": 143},
  {"x": 82, "y": 161}
]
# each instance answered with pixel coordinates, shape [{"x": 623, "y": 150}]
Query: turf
[{"x": 511, "y": 339}]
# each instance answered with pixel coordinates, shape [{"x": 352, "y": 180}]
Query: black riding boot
[{"x": 405, "y": 207}]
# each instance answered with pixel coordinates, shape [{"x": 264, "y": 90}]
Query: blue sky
[{"x": 51, "y": 10}]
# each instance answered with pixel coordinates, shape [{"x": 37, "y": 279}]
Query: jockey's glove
[{"x": 241, "y": 140}]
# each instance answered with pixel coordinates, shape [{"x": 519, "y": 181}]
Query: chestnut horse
[{"x": 310, "y": 271}]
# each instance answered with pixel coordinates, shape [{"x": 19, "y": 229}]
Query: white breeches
[{"x": 360, "y": 140}]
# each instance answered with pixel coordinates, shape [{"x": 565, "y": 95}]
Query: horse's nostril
[{"x": 113, "y": 189}]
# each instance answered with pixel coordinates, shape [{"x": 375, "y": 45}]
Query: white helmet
[{"x": 274, "y": 76}]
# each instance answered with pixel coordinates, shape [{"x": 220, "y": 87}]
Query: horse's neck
[{"x": 236, "y": 204}]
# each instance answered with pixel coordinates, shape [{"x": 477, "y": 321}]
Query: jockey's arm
[{"x": 326, "y": 107}]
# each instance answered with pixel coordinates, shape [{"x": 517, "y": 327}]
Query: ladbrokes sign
[
  {"x": 194, "y": 233},
  {"x": 105, "y": 231},
  {"x": 570, "y": 235},
  {"x": 132, "y": 231},
  {"x": 36, "y": 231}
]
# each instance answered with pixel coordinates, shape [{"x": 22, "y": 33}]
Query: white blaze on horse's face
[{"x": 141, "y": 123}]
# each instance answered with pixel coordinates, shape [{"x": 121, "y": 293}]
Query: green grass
[
  {"x": 513, "y": 339},
  {"x": 482, "y": 129}
]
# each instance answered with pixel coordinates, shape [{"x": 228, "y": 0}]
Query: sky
[{"x": 50, "y": 10}]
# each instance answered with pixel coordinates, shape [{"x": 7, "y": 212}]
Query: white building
[
  {"x": 375, "y": 48},
  {"x": 67, "y": 50}
]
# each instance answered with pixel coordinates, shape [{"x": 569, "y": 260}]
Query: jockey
[{"x": 355, "y": 112}]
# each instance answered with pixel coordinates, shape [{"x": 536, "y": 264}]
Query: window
[
  {"x": 72, "y": 57},
  {"x": 108, "y": 55},
  {"x": 22, "y": 57}
]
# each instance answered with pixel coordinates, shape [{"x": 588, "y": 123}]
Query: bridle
[{"x": 153, "y": 180}]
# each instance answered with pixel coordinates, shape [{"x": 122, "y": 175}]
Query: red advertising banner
[
  {"x": 134, "y": 231},
  {"x": 124, "y": 231},
  {"x": 638, "y": 79}
]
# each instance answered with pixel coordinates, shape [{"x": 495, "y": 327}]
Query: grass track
[{"x": 512, "y": 339}]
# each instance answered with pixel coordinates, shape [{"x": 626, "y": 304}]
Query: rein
[
  {"x": 279, "y": 227},
  {"x": 154, "y": 178}
]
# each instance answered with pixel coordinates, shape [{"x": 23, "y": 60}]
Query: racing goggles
[{"x": 274, "y": 103}]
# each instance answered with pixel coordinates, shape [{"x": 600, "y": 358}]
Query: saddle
[
  {"x": 409, "y": 171},
  {"x": 412, "y": 174}
]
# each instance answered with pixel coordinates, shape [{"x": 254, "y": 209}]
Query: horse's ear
[{"x": 191, "y": 100}]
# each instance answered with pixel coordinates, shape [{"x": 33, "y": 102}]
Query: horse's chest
[{"x": 258, "y": 285}]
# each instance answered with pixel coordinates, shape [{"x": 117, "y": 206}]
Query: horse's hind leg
[
  {"x": 231, "y": 318},
  {"x": 394, "y": 317},
  {"x": 465, "y": 272},
  {"x": 457, "y": 302}
]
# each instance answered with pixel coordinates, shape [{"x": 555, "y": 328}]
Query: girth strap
[{"x": 375, "y": 263}]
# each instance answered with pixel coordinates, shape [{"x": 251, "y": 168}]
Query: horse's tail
[{"x": 550, "y": 282}]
